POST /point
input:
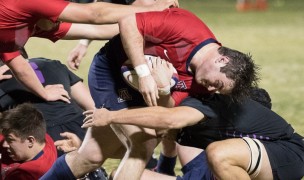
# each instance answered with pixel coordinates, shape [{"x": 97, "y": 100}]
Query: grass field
[{"x": 275, "y": 39}]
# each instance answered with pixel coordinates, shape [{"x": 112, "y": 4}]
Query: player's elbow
[
  {"x": 172, "y": 121},
  {"x": 125, "y": 22}
]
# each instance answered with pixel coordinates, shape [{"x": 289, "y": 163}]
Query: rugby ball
[{"x": 131, "y": 78}]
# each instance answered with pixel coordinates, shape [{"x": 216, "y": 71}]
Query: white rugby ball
[{"x": 131, "y": 78}]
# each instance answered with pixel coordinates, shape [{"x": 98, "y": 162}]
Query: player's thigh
[
  {"x": 187, "y": 153},
  {"x": 101, "y": 143},
  {"x": 238, "y": 153}
]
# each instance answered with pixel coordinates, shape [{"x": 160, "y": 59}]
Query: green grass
[{"x": 274, "y": 38}]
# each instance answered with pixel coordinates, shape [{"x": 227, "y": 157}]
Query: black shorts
[
  {"x": 72, "y": 126},
  {"x": 286, "y": 157}
]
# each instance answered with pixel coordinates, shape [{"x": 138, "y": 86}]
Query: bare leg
[
  {"x": 187, "y": 153},
  {"x": 150, "y": 175},
  {"x": 229, "y": 159},
  {"x": 140, "y": 143},
  {"x": 98, "y": 145}
]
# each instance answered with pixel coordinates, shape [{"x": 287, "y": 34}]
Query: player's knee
[{"x": 216, "y": 156}]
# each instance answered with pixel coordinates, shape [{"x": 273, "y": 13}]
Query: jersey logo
[
  {"x": 181, "y": 85},
  {"x": 38, "y": 72},
  {"x": 165, "y": 52},
  {"x": 123, "y": 95}
]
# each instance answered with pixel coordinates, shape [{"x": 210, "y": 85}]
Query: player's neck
[
  {"x": 35, "y": 151},
  {"x": 204, "y": 54}
]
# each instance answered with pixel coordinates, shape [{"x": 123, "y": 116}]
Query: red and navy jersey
[
  {"x": 33, "y": 169},
  {"x": 18, "y": 22},
  {"x": 176, "y": 35},
  {"x": 172, "y": 41}
]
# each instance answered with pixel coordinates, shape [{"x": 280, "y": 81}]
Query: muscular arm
[
  {"x": 133, "y": 44},
  {"x": 26, "y": 75},
  {"x": 94, "y": 32},
  {"x": 82, "y": 96},
  {"x": 150, "y": 117},
  {"x": 102, "y": 12}
]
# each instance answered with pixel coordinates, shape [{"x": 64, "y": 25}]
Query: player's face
[
  {"x": 16, "y": 147},
  {"x": 209, "y": 76}
]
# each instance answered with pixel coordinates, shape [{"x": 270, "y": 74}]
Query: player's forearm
[
  {"x": 82, "y": 96},
  {"x": 153, "y": 117},
  {"x": 93, "y": 32},
  {"x": 26, "y": 75},
  {"x": 99, "y": 12},
  {"x": 132, "y": 40}
]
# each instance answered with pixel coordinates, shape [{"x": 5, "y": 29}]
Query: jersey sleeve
[
  {"x": 73, "y": 77},
  {"x": 55, "y": 34},
  {"x": 49, "y": 9},
  {"x": 204, "y": 106},
  {"x": 5, "y": 57}
]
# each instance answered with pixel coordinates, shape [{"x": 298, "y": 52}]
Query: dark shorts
[
  {"x": 71, "y": 126},
  {"x": 197, "y": 169},
  {"x": 108, "y": 87},
  {"x": 286, "y": 158}
]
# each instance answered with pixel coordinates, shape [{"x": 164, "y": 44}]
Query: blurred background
[{"x": 272, "y": 33}]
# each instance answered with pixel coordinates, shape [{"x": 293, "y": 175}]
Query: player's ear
[
  {"x": 222, "y": 59},
  {"x": 31, "y": 140}
]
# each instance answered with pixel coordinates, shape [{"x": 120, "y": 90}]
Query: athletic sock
[
  {"x": 166, "y": 165},
  {"x": 60, "y": 170}
]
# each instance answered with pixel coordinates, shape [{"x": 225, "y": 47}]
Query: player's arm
[
  {"x": 3, "y": 69},
  {"x": 133, "y": 44},
  {"x": 81, "y": 94},
  {"x": 162, "y": 72},
  {"x": 88, "y": 31},
  {"x": 150, "y": 117},
  {"x": 102, "y": 12},
  {"x": 26, "y": 75}
]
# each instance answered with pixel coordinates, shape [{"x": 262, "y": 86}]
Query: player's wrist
[
  {"x": 84, "y": 42},
  {"x": 142, "y": 70},
  {"x": 164, "y": 91}
]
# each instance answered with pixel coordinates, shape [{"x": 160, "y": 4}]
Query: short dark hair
[
  {"x": 242, "y": 70},
  {"x": 24, "y": 120},
  {"x": 261, "y": 95}
]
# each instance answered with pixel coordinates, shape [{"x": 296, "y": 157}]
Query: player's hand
[
  {"x": 96, "y": 118},
  {"x": 57, "y": 92},
  {"x": 148, "y": 88},
  {"x": 76, "y": 55},
  {"x": 70, "y": 142},
  {"x": 3, "y": 69},
  {"x": 164, "y": 4},
  {"x": 162, "y": 72}
]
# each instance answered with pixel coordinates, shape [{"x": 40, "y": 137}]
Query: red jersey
[
  {"x": 33, "y": 169},
  {"x": 176, "y": 38},
  {"x": 18, "y": 19}
]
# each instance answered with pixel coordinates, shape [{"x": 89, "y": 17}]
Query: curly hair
[{"x": 242, "y": 70}]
